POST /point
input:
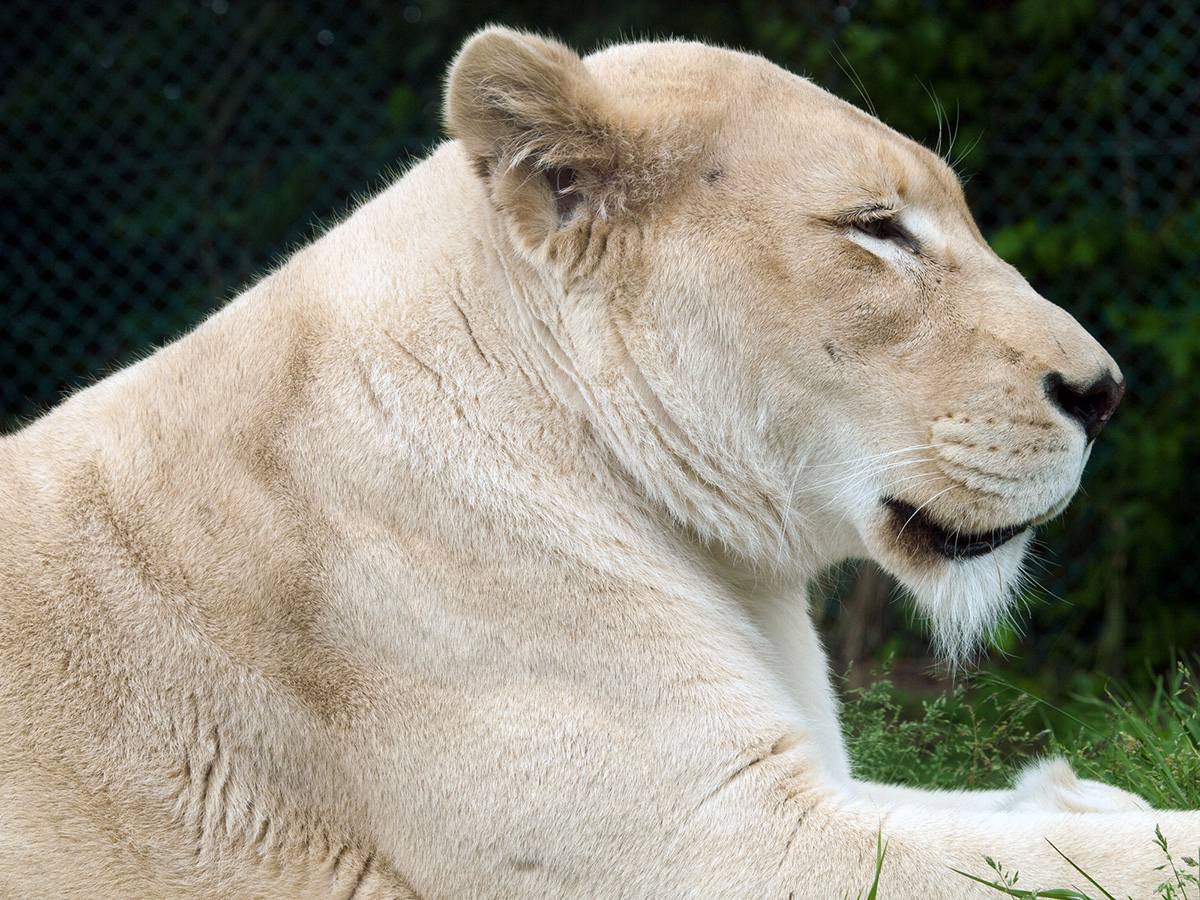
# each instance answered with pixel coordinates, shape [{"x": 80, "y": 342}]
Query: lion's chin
[{"x": 964, "y": 596}]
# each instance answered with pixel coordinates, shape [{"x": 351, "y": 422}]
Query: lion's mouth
[{"x": 915, "y": 527}]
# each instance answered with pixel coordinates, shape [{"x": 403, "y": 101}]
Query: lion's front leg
[
  {"x": 826, "y": 849},
  {"x": 893, "y": 795},
  {"x": 1045, "y": 786}
]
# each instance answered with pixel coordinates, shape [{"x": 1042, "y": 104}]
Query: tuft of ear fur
[{"x": 543, "y": 134}]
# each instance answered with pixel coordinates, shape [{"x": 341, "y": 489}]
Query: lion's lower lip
[{"x": 913, "y": 524}]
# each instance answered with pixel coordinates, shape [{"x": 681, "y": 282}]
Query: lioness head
[{"x": 780, "y": 314}]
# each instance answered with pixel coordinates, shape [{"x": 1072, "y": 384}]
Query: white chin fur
[{"x": 964, "y": 600}]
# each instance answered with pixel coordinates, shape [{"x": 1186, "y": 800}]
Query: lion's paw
[{"x": 1051, "y": 786}]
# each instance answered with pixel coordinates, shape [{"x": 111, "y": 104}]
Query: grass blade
[{"x": 1090, "y": 879}]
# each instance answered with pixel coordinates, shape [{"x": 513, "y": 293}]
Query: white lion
[{"x": 465, "y": 555}]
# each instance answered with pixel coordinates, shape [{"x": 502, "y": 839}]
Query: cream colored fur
[{"x": 465, "y": 554}]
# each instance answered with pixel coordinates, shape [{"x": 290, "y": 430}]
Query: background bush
[{"x": 159, "y": 155}]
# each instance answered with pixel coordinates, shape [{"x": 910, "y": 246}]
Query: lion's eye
[{"x": 887, "y": 229}]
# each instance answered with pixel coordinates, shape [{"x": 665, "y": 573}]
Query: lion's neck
[{"x": 453, "y": 325}]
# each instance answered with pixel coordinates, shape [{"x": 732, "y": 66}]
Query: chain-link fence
[{"x": 158, "y": 155}]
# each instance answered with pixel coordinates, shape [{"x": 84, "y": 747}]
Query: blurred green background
[{"x": 159, "y": 155}]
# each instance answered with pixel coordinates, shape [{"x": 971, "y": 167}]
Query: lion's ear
[{"x": 541, "y": 133}]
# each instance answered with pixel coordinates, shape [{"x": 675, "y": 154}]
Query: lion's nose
[{"x": 1092, "y": 405}]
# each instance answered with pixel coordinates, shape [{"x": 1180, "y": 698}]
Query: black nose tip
[{"x": 1092, "y": 406}]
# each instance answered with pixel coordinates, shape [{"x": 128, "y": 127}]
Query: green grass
[{"x": 980, "y": 735}]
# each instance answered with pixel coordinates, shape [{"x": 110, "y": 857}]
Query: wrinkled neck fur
[
  {"x": 527, "y": 304},
  {"x": 709, "y": 480}
]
